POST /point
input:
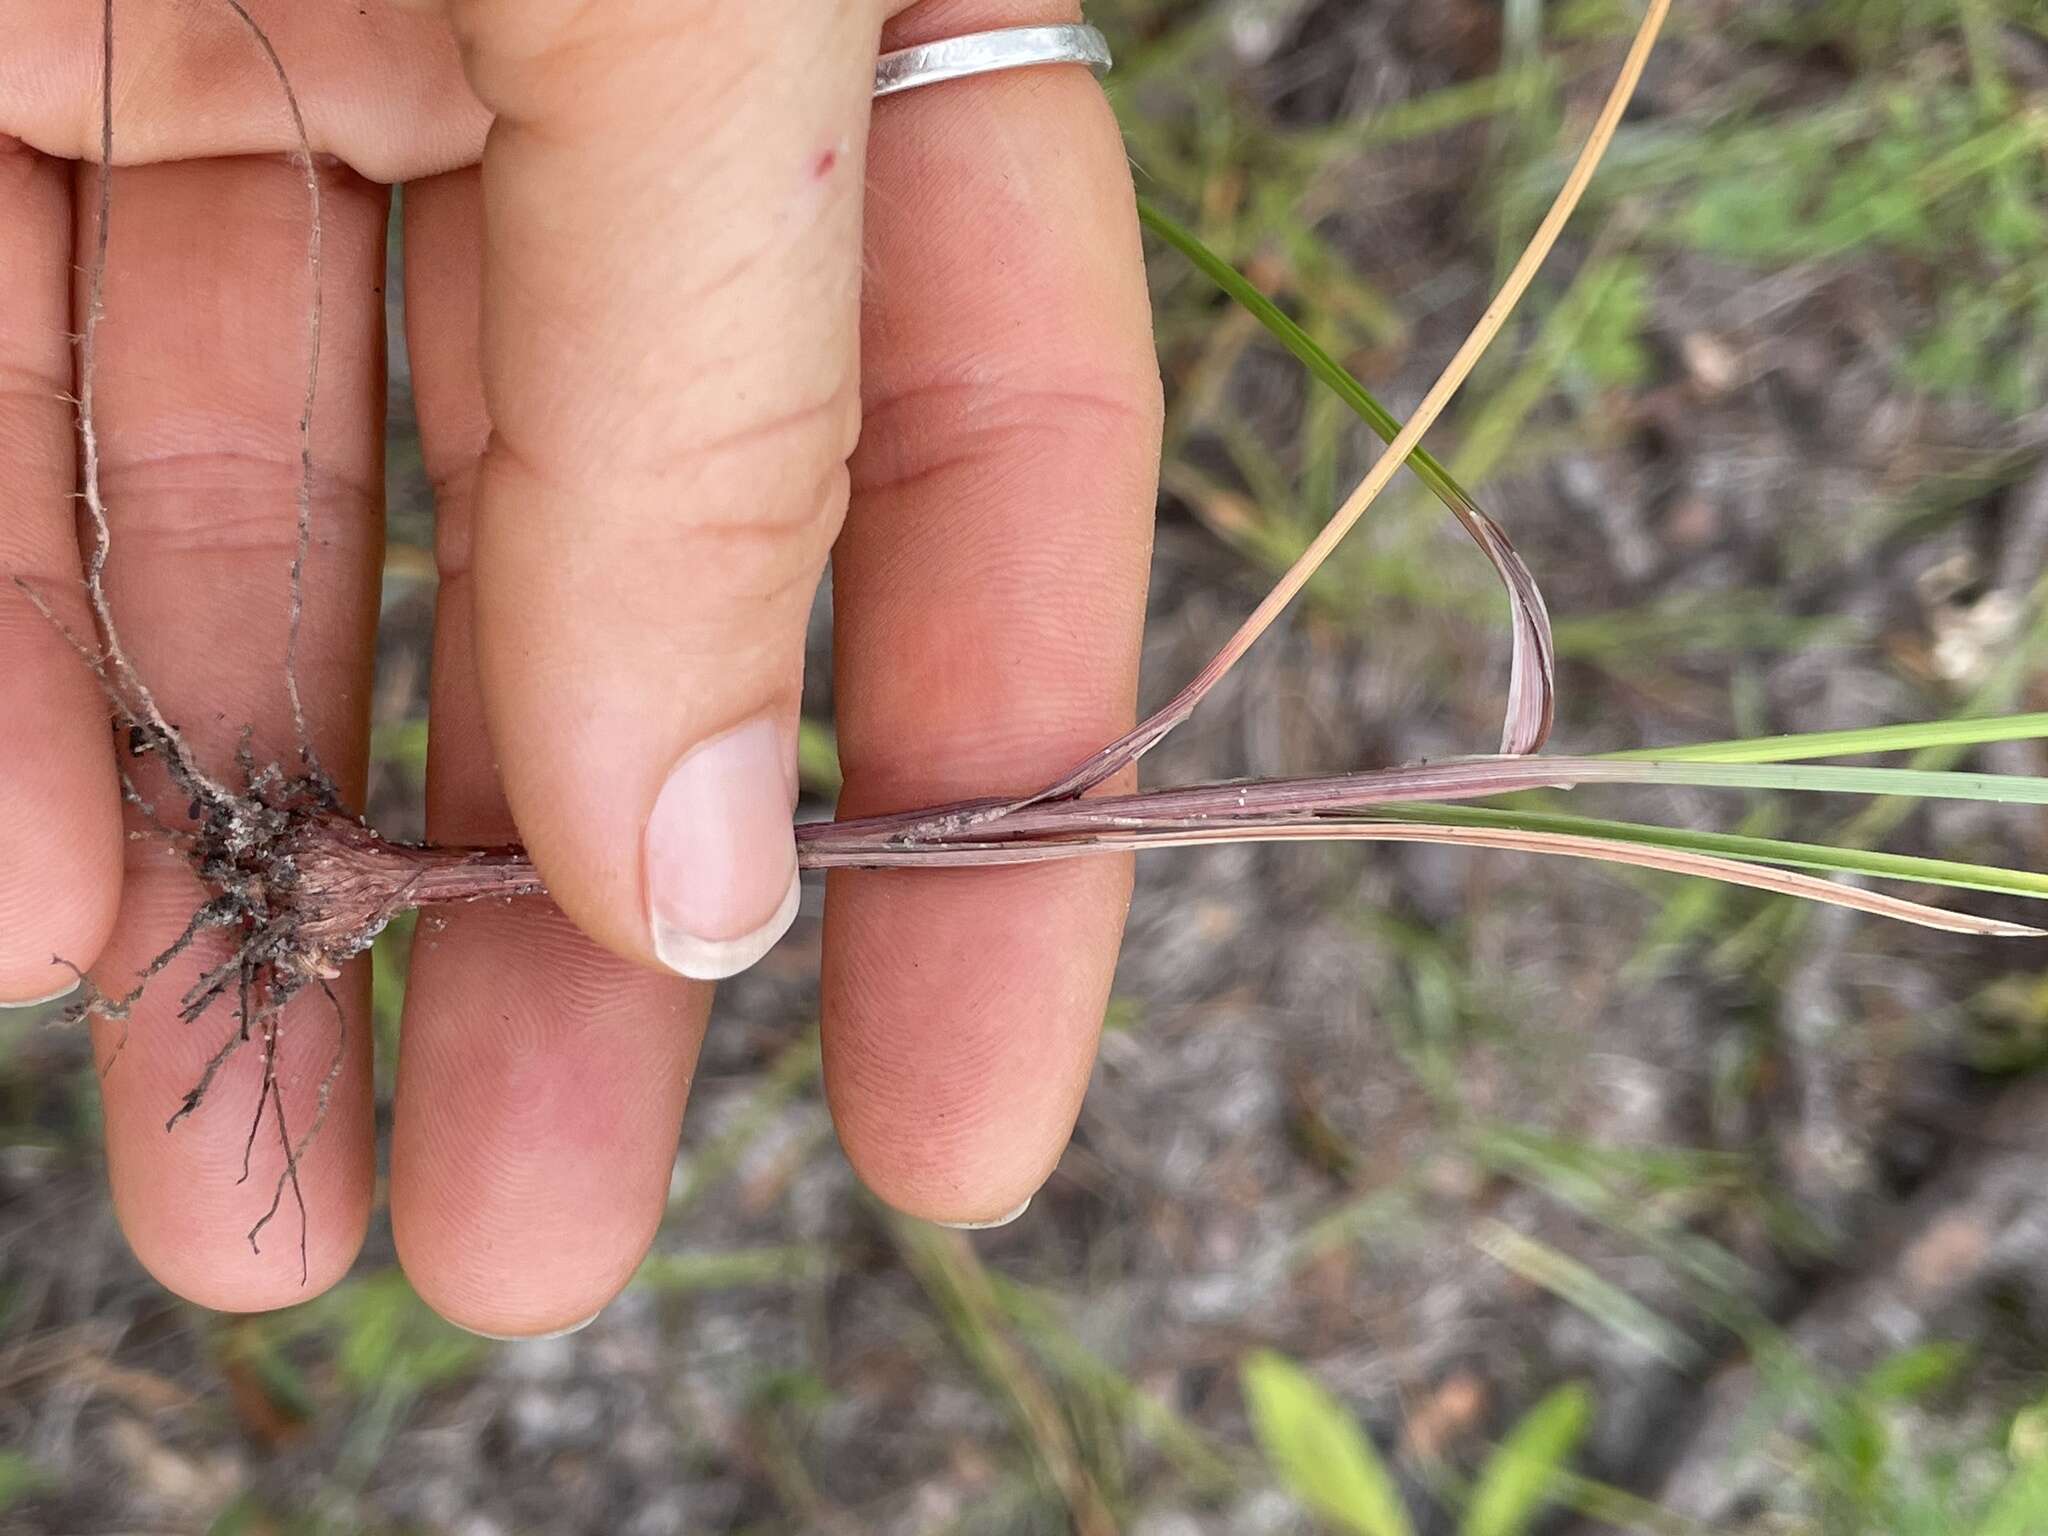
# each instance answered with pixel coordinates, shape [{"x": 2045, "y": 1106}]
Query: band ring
[{"x": 981, "y": 53}]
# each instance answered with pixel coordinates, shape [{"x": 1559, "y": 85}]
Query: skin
[{"x": 684, "y": 318}]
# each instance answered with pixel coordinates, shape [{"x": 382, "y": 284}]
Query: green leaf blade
[
  {"x": 1318, "y": 1451},
  {"x": 1522, "y": 1477},
  {"x": 2020, "y": 1507},
  {"x": 1911, "y": 737},
  {"x": 1956, "y": 873}
]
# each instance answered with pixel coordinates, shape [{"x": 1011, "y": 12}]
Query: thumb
[{"x": 672, "y": 204}]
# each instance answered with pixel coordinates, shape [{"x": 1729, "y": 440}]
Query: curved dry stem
[
  {"x": 1101, "y": 766},
  {"x": 1532, "y": 663}
]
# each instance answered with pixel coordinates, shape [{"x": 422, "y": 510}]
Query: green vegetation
[{"x": 1324, "y": 1458}]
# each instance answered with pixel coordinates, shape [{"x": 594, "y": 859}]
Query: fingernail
[
  {"x": 721, "y": 854},
  {"x": 533, "y": 1338},
  {"x": 37, "y": 1002},
  {"x": 993, "y": 1221}
]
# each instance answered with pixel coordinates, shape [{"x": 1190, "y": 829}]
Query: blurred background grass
[{"x": 1417, "y": 1190}]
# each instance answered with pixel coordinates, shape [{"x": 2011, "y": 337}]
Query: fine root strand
[{"x": 302, "y": 155}]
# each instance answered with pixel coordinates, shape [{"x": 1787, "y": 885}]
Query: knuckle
[
  {"x": 767, "y": 496},
  {"x": 226, "y": 502},
  {"x": 544, "y": 58},
  {"x": 925, "y": 430}
]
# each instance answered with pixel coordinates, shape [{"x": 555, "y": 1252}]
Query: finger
[
  {"x": 381, "y": 86},
  {"x": 541, "y": 1080},
  {"x": 672, "y": 215},
  {"x": 989, "y": 593},
  {"x": 200, "y": 373},
  {"x": 60, "y": 814}
]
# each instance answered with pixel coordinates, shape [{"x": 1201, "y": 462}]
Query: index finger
[{"x": 989, "y": 597}]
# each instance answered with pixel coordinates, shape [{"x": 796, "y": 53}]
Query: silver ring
[{"x": 981, "y": 53}]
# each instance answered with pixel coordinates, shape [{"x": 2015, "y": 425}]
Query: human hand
[{"x": 645, "y": 336}]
